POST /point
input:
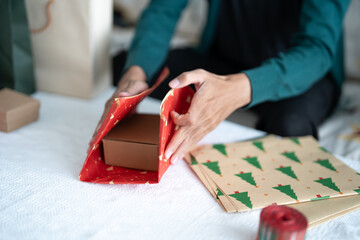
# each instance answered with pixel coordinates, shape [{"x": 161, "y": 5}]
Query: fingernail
[
  {"x": 175, "y": 114},
  {"x": 168, "y": 154},
  {"x": 174, "y": 83}
]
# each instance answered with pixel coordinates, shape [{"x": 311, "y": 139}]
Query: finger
[
  {"x": 179, "y": 153},
  {"x": 132, "y": 88},
  {"x": 187, "y": 145},
  {"x": 198, "y": 106},
  {"x": 175, "y": 159},
  {"x": 182, "y": 119},
  {"x": 192, "y": 116},
  {"x": 187, "y": 78},
  {"x": 124, "y": 94},
  {"x": 174, "y": 143},
  {"x": 137, "y": 87}
]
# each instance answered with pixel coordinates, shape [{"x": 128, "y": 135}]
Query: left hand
[{"x": 215, "y": 99}]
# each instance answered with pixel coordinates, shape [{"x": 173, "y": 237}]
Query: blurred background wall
[{"x": 352, "y": 40}]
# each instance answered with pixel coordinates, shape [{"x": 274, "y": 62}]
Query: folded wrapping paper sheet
[
  {"x": 259, "y": 173},
  {"x": 316, "y": 212},
  {"x": 96, "y": 171}
]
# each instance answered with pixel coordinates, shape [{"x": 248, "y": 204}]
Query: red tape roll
[{"x": 281, "y": 223}]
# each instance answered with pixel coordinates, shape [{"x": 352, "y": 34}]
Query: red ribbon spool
[{"x": 281, "y": 223}]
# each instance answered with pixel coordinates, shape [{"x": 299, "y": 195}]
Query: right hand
[{"x": 133, "y": 82}]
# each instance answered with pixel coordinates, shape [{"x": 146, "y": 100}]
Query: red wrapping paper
[
  {"x": 281, "y": 223},
  {"x": 96, "y": 171}
]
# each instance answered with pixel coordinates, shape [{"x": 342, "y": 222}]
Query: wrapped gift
[{"x": 96, "y": 171}]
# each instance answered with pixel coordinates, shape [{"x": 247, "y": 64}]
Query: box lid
[
  {"x": 15, "y": 105},
  {"x": 143, "y": 128}
]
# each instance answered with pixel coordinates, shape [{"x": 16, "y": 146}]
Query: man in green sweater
[{"x": 282, "y": 59}]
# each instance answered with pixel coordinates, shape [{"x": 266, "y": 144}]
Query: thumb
[
  {"x": 182, "y": 119},
  {"x": 187, "y": 78}
]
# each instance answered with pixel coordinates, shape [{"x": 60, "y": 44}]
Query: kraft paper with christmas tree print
[
  {"x": 257, "y": 173},
  {"x": 223, "y": 200}
]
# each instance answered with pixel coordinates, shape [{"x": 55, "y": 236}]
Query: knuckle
[
  {"x": 186, "y": 76},
  {"x": 200, "y": 71},
  {"x": 178, "y": 122},
  {"x": 191, "y": 119}
]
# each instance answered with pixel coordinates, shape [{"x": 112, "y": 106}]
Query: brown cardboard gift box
[
  {"x": 16, "y": 110},
  {"x": 134, "y": 143}
]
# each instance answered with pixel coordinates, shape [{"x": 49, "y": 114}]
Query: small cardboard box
[
  {"x": 134, "y": 143},
  {"x": 16, "y": 110}
]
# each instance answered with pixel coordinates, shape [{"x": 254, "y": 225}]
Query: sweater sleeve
[
  {"x": 308, "y": 59},
  {"x": 154, "y": 30}
]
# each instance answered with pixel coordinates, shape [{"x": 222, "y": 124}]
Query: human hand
[
  {"x": 133, "y": 82},
  {"x": 215, "y": 99}
]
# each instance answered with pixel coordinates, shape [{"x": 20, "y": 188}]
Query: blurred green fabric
[{"x": 16, "y": 62}]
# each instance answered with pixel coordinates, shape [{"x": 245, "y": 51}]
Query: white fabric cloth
[
  {"x": 42, "y": 198},
  {"x": 334, "y": 130}
]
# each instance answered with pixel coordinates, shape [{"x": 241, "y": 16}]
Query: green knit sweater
[{"x": 316, "y": 50}]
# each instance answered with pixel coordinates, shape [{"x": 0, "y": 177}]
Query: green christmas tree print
[
  {"x": 287, "y": 190},
  {"x": 296, "y": 141},
  {"x": 357, "y": 190},
  {"x": 288, "y": 171},
  {"x": 221, "y": 148},
  {"x": 324, "y": 149},
  {"x": 291, "y": 155},
  {"x": 219, "y": 193},
  {"x": 193, "y": 160},
  {"x": 319, "y": 197},
  {"x": 213, "y": 166},
  {"x": 259, "y": 145},
  {"x": 247, "y": 177},
  {"x": 327, "y": 182},
  {"x": 242, "y": 197},
  {"x": 253, "y": 161},
  {"x": 325, "y": 163}
]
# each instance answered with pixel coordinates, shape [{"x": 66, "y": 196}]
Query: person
[{"x": 282, "y": 59}]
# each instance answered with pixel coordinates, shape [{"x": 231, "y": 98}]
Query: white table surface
[{"x": 42, "y": 198}]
